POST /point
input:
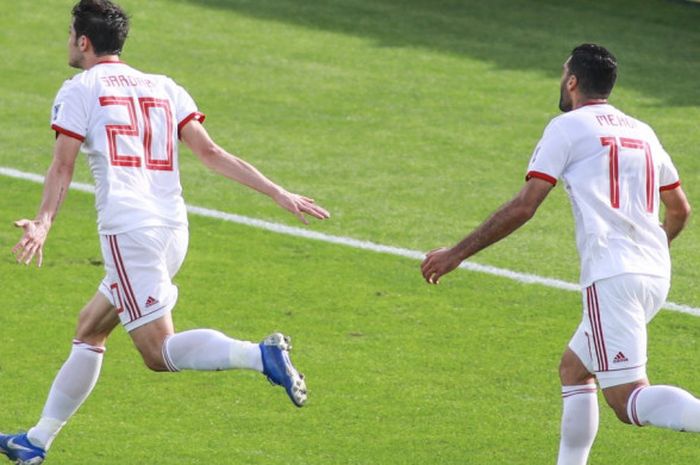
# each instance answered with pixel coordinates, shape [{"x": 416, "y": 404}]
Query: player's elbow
[
  {"x": 680, "y": 213},
  {"x": 523, "y": 211},
  {"x": 209, "y": 154}
]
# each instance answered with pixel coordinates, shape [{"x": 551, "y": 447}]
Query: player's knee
[
  {"x": 564, "y": 372},
  {"x": 154, "y": 360},
  {"x": 620, "y": 409},
  {"x": 88, "y": 333},
  {"x": 621, "y": 413},
  {"x": 572, "y": 374},
  {"x": 155, "y": 364}
]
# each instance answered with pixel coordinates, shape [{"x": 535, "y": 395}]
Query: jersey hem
[
  {"x": 113, "y": 232},
  {"x": 590, "y": 282}
]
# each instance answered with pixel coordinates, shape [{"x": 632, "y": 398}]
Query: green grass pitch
[{"x": 411, "y": 121}]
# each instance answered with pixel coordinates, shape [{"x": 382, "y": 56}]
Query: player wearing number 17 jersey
[
  {"x": 616, "y": 174},
  {"x": 614, "y": 169},
  {"x": 129, "y": 123}
]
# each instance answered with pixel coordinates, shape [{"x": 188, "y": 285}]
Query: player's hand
[
  {"x": 299, "y": 205},
  {"x": 32, "y": 242},
  {"x": 437, "y": 263}
]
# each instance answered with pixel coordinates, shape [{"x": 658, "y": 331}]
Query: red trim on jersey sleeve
[
  {"x": 66, "y": 132},
  {"x": 670, "y": 187},
  {"x": 196, "y": 116},
  {"x": 539, "y": 175}
]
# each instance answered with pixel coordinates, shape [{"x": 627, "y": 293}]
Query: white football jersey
[
  {"x": 129, "y": 124},
  {"x": 613, "y": 167}
]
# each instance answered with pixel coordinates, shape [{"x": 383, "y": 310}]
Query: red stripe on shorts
[
  {"x": 604, "y": 354},
  {"x": 132, "y": 306},
  {"x": 597, "y": 327}
]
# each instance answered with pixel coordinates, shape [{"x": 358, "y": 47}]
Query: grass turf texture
[{"x": 411, "y": 122}]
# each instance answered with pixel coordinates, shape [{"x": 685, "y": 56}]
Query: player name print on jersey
[
  {"x": 121, "y": 80},
  {"x": 616, "y": 121}
]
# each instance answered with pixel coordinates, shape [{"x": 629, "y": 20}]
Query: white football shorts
[
  {"x": 140, "y": 265},
  {"x": 611, "y": 340}
]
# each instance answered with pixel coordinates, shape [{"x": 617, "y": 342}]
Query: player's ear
[
  {"x": 571, "y": 82},
  {"x": 83, "y": 43}
]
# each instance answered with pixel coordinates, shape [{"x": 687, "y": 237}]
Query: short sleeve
[
  {"x": 185, "y": 108},
  {"x": 69, "y": 114},
  {"x": 550, "y": 156}
]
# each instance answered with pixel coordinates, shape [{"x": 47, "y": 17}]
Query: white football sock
[
  {"x": 207, "y": 349},
  {"x": 579, "y": 423},
  {"x": 666, "y": 407},
  {"x": 70, "y": 388}
]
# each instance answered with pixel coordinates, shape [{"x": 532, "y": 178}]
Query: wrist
[
  {"x": 458, "y": 252},
  {"x": 44, "y": 220},
  {"x": 276, "y": 192}
]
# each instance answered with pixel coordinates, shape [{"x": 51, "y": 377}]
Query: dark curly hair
[
  {"x": 104, "y": 23},
  {"x": 595, "y": 68}
]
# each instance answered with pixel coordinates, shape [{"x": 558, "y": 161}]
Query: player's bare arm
[
  {"x": 56, "y": 185},
  {"x": 503, "y": 222},
  {"x": 219, "y": 160},
  {"x": 677, "y": 212}
]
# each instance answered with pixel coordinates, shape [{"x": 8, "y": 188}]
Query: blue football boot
[
  {"x": 19, "y": 450},
  {"x": 279, "y": 369}
]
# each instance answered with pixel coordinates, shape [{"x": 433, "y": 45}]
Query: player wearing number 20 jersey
[
  {"x": 129, "y": 124},
  {"x": 613, "y": 167}
]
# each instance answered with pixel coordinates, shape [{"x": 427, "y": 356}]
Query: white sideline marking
[{"x": 350, "y": 242}]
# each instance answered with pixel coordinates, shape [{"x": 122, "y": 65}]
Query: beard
[{"x": 565, "y": 103}]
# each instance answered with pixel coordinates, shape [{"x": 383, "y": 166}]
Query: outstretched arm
[
  {"x": 56, "y": 186},
  {"x": 219, "y": 160},
  {"x": 677, "y": 212},
  {"x": 503, "y": 222}
]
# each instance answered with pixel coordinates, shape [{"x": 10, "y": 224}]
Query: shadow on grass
[{"x": 657, "y": 42}]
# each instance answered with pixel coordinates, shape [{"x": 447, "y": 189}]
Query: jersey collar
[
  {"x": 110, "y": 62},
  {"x": 597, "y": 101}
]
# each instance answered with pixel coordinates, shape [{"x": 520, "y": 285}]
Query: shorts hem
[
  {"x": 147, "y": 318},
  {"x": 624, "y": 376}
]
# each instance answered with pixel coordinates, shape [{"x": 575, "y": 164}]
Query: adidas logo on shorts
[
  {"x": 619, "y": 358},
  {"x": 150, "y": 301}
]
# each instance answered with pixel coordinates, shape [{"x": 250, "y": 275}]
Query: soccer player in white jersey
[
  {"x": 616, "y": 173},
  {"x": 128, "y": 123}
]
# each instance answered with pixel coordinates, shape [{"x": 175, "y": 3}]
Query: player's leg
[
  {"x": 72, "y": 385},
  {"x": 580, "y": 416},
  {"x": 664, "y": 406},
  {"x": 626, "y": 304},
  {"x": 197, "y": 349},
  {"x": 641, "y": 404},
  {"x": 146, "y": 261},
  {"x": 78, "y": 375},
  {"x": 211, "y": 350}
]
